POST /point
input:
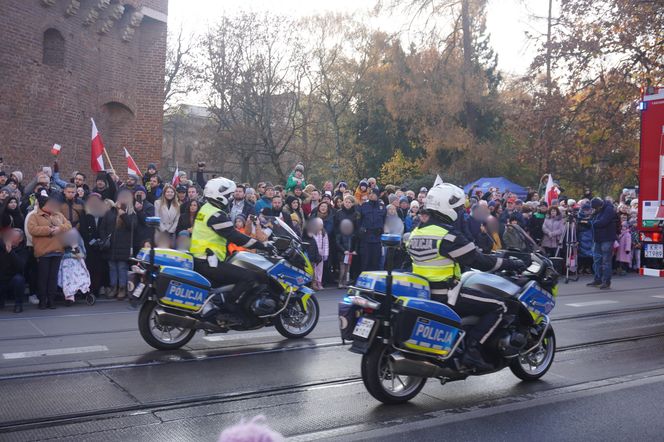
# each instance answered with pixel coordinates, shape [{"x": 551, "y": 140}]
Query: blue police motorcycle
[
  {"x": 405, "y": 337},
  {"x": 176, "y": 301}
]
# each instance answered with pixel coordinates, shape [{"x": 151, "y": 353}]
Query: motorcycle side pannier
[
  {"x": 425, "y": 326},
  {"x": 181, "y": 288}
]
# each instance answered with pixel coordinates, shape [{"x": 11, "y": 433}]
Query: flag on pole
[
  {"x": 55, "y": 150},
  {"x": 552, "y": 192},
  {"x": 132, "y": 167},
  {"x": 438, "y": 182},
  {"x": 176, "y": 176},
  {"x": 97, "y": 158}
]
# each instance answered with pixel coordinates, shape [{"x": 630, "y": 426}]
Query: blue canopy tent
[{"x": 501, "y": 183}]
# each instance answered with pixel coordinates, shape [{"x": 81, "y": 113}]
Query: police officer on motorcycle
[
  {"x": 439, "y": 249},
  {"x": 212, "y": 231}
]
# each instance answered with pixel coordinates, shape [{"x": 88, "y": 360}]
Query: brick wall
[{"x": 109, "y": 73}]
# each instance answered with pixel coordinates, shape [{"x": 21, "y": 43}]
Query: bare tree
[
  {"x": 255, "y": 67},
  {"x": 341, "y": 58},
  {"x": 180, "y": 68}
]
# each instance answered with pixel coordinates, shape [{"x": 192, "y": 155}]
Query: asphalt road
[{"x": 84, "y": 373}]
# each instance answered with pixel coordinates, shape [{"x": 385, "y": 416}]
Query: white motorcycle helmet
[
  {"x": 218, "y": 191},
  {"x": 445, "y": 199}
]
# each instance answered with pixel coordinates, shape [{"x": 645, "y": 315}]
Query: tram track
[
  {"x": 232, "y": 351},
  {"x": 221, "y": 398}
]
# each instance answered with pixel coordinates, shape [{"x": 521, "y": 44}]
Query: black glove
[
  {"x": 514, "y": 265},
  {"x": 269, "y": 247}
]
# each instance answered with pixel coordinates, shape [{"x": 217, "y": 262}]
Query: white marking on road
[
  {"x": 589, "y": 303},
  {"x": 658, "y": 296},
  {"x": 54, "y": 352}
]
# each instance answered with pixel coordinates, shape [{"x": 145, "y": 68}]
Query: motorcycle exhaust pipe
[
  {"x": 403, "y": 366},
  {"x": 169, "y": 319}
]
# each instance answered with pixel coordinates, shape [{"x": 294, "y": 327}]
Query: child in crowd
[
  {"x": 73, "y": 276},
  {"x": 346, "y": 249},
  {"x": 319, "y": 235},
  {"x": 624, "y": 253}
]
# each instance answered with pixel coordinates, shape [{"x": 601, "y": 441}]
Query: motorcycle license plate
[
  {"x": 654, "y": 251},
  {"x": 363, "y": 327},
  {"x": 138, "y": 291}
]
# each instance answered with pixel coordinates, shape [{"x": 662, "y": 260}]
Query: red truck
[{"x": 651, "y": 175}]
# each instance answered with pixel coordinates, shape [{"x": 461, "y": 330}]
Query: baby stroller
[{"x": 73, "y": 277}]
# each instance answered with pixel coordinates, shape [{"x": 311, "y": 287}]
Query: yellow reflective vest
[
  {"x": 424, "y": 249},
  {"x": 203, "y": 237}
]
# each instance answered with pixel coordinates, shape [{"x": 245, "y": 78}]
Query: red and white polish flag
[
  {"x": 132, "y": 167},
  {"x": 97, "y": 159},
  {"x": 55, "y": 150}
]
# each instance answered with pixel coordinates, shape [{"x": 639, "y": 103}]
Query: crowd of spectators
[{"x": 92, "y": 227}]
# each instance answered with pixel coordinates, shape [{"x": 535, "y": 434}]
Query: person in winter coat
[
  {"x": 624, "y": 252},
  {"x": 154, "y": 188},
  {"x": 362, "y": 192},
  {"x": 186, "y": 221},
  {"x": 319, "y": 235},
  {"x": 144, "y": 209},
  {"x": 167, "y": 208},
  {"x": 490, "y": 235},
  {"x": 346, "y": 250},
  {"x": 536, "y": 223},
  {"x": 46, "y": 228},
  {"x": 105, "y": 186},
  {"x": 372, "y": 220},
  {"x": 604, "y": 235},
  {"x": 296, "y": 178},
  {"x": 95, "y": 210},
  {"x": 553, "y": 229},
  {"x": 10, "y": 215},
  {"x": 412, "y": 220},
  {"x": 324, "y": 213},
  {"x": 293, "y": 215},
  {"x": 13, "y": 260},
  {"x": 72, "y": 207},
  {"x": 311, "y": 202},
  {"x": 152, "y": 171},
  {"x": 120, "y": 223},
  {"x": 266, "y": 200},
  {"x": 348, "y": 211}
]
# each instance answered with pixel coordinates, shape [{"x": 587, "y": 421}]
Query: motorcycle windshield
[{"x": 280, "y": 228}]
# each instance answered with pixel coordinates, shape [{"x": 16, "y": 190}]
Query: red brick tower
[{"x": 64, "y": 61}]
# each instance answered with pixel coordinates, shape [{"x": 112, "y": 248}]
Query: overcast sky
[{"x": 507, "y": 20}]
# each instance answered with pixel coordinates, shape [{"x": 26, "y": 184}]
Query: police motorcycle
[
  {"x": 405, "y": 337},
  {"x": 176, "y": 301}
]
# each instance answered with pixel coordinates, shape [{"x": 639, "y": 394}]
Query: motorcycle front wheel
[
  {"x": 295, "y": 322},
  {"x": 534, "y": 365},
  {"x": 382, "y": 383},
  {"x": 161, "y": 337}
]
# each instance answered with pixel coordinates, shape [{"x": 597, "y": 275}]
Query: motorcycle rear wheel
[
  {"x": 384, "y": 385},
  {"x": 295, "y": 322},
  {"x": 534, "y": 365},
  {"x": 160, "y": 336}
]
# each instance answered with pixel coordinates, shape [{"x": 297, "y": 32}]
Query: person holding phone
[
  {"x": 120, "y": 224},
  {"x": 144, "y": 209},
  {"x": 46, "y": 228}
]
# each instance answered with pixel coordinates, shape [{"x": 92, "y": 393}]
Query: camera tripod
[{"x": 571, "y": 245}]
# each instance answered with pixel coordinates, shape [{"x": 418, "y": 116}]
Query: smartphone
[{"x": 139, "y": 198}]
